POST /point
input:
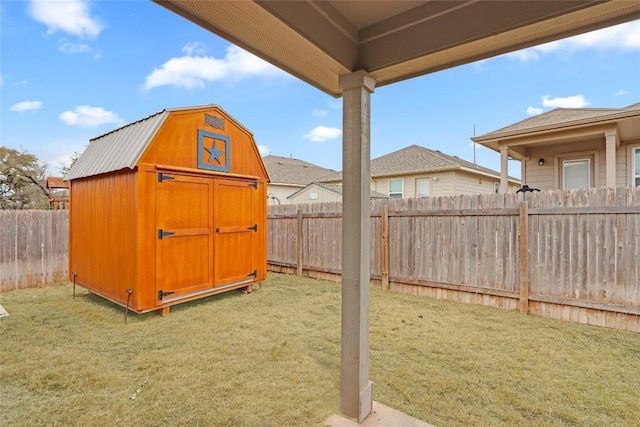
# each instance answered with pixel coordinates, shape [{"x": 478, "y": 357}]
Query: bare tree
[{"x": 72, "y": 160}]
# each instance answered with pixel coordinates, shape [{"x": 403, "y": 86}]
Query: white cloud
[
  {"x": 316, "y": 112},
  {"x": 195, "y": 71},
  {"x": 323, "y": 133},
  {"x": 69, "y": 16},
  {"x": 619, "y": 37},
  {"x": 622, "y": 92},
  {"x": 264, "y": 150},
  {"x": 26, "y": 106},
  {"x": 577, "y": 101},
  {"x": 194, "y": 48},
  {"x": 86, "y": 116},
  {"x": 71, "y": 48},
  {"x": 534, "y": 111}
]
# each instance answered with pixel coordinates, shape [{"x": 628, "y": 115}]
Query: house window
[
  {"x": 636, "y": 166},
  {"x": 496, "y": 187},
  {"x": 395, "y": 188},
  {"x": 423, "y": 187},
  {"x": 576, "y": 173}
]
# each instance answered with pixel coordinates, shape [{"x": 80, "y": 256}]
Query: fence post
[
  {"x": 384, "y": 249},
  {"x": 523, "y": 245},
  {"x": 299, "y": 244},
  {"x": 15, "y": 251}
]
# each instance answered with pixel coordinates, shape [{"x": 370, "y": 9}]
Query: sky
[{"x": 73, "y": 70}]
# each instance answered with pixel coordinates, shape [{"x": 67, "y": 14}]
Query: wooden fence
[
  {"x": 33, "y": 248},
  {"x": 569, "y": 255}
]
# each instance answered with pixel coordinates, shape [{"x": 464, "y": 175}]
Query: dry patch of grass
[{"x": 273, "y": 357}]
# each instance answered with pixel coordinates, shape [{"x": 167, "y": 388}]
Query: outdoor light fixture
[{"x": 541, "y": 162}]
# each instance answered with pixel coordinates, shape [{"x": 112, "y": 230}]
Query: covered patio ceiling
[{"x": 318, "y": 41}]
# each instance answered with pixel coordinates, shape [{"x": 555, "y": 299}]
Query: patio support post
[
  {"x": 504, "y": 169},
  {"x": 356, "y": 397},
  {"x": 611, "y": 138}
]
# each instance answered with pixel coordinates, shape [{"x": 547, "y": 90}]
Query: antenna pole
[{"x": 474, "y": 145}]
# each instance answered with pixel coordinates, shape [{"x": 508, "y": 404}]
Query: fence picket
[{"x": 582, "y": 264}]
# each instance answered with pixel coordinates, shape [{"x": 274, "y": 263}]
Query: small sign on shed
[{"x": 169, "y": 208}]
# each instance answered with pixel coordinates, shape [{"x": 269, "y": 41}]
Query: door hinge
[
  {"x": 254, "y": 274},
  {"x": 254, "y": 185},
  {"x": 254, "y": 228},
  {"x": 162, "y": 234},
  {"x": 162, "y": 294},
  {"x": 164, "y": 177}
]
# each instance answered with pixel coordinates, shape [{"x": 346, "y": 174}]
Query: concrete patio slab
[{"x": 380, "y": 416}]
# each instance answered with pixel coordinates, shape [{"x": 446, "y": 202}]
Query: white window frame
[
  {"x": 579, "y": 160},
  {"x": 426, "y": 179},
  {"x": 559, "y": 159},
  {"x": 401, "y": 193}
]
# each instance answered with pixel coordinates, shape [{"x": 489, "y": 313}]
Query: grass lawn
[{"x": 273, "y": 358}]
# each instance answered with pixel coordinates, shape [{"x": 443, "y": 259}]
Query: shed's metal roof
[
  {"x": 118, "y": 149},
  {"x": 122, "y": 148}
]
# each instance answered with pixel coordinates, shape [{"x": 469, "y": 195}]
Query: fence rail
[
  {"x": 566, "y": 255},
  {"x": 33, "y": 248},
  {"x": 571, "y": 255}
]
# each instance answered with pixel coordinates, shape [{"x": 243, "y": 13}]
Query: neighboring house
[
  {"x": 572, "y": 147},
  {"x": 419, "y": 172},
  {"x": 317, "y": 193},
  {"x": 289, "y": 175}
]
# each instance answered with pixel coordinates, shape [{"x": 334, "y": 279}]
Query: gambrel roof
[{"x": 122, "y": 148}]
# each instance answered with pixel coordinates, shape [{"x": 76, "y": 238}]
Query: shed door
[
  {"x": 235, "y": 231},
  {"x": 183, "y": 249}
]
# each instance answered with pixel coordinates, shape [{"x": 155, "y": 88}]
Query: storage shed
[{"x": 169, "y": 209}]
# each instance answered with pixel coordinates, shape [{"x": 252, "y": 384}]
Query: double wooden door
[{"x": 207, "y": 230}]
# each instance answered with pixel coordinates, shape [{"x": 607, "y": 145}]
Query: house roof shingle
[
  {"x": 286, "y": 170},
  {"x": 415, "y": 159},
  {"x": 556, "y": 118}
]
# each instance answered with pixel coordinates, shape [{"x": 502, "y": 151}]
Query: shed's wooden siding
[
  {"x": 103, "y": 241},
  {"x": 176, "y": 143},
  {"x": 116, "y": 217}
]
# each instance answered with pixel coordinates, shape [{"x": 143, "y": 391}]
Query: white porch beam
[
  {"x": 611, "y": 137},
  {"x": 356, "y": 396},
  {"x": 504, "y": 168}
]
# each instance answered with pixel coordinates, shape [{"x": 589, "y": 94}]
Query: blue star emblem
[{"x": 214, "y": 153}]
